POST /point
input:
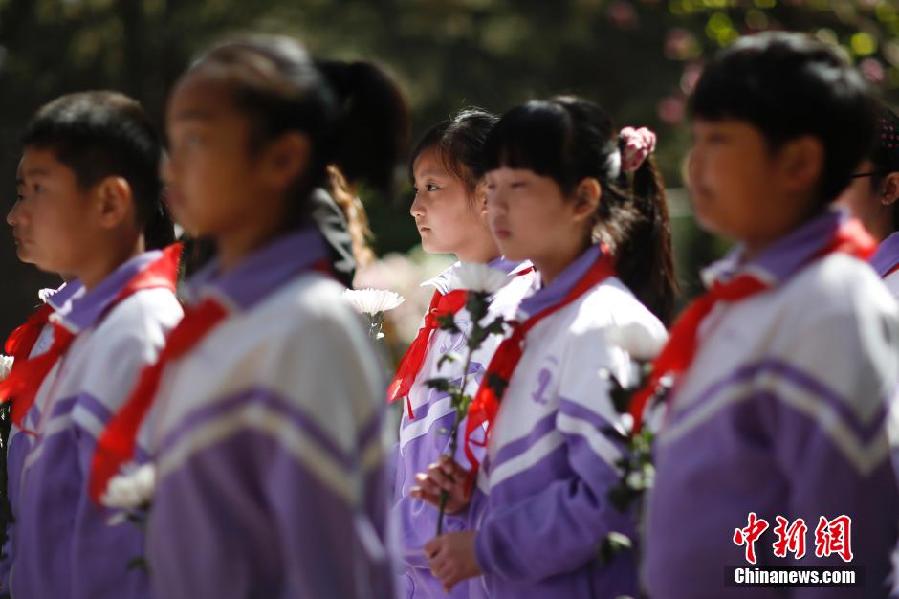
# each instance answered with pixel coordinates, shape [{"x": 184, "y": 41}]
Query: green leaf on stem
[
  {"x": 439, "y": 384},
  {"x": 446, "y": 322},
  {"x": 497, "y": 327},
  {"x": 447, "y": 358}
]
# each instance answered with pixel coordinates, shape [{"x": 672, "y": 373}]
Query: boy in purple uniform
[{"x": 775, "y": 430}]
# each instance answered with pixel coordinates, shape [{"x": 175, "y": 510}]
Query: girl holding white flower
[
  {"x": 266, "y": 415},
  {"x": 586, "y": 205},
  {"x": 449, "y": 209}
]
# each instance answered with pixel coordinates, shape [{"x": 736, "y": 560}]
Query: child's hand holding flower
[{"x": 444, "y": 476}]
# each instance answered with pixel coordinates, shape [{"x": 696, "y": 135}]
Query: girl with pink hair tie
[{"x": 584, "y": 203}]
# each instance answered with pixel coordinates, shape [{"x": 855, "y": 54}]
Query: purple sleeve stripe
[
  {"x": 576, "y": 410},
  {"x": 93, "y": 406},
  {"x": 522, "y": 444},
  {"x": 63, "y": 406},
  {"x": 555, "y": 464},
  {"x": 865, "y": 456},
  {"x": 793, "y": 376},
  {"x": 271, "y": 400},
  {"x": 83, "y": 400},
  {"x": 434, "y": 396},
  {"x": 421, "y": 412}
]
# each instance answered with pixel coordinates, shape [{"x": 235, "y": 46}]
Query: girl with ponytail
[
  {"x": 584, "y": 203},
  {"x": 266, "y": 419}
]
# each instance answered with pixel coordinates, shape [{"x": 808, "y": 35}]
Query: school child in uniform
[
  {"x": 35, "y": 335},
  {"x": 90, "y": 186},
  {"x": 266, "y": 428},
  {"x": 449, "y": 209},
  {"x": 783, "y": 369},
  {"x": 584, "y": 203},
  {"x": 872, "y": 195}
]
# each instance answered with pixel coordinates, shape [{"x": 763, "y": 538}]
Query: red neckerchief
[
  {"x": 21, "y": 341},
  {"x": 485, "y": 403},
  {"x": 24, "y": 380},
  {"x": 850, "y": 238},
  {"x": 441, "y": 306},
  {"x": 117, "y": 443}
]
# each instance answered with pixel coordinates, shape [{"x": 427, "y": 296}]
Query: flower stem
[
  {"x": 444, "y": 495},
  {"x": 458, "y": 406}
]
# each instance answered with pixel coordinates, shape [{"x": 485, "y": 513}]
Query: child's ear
[
  {"x": 890, "y": 189},
  {"x": 114, "y": 201},
  {"x": 480, "y": 198},
  {"x": 286, "y": 159},
  {"x": 587, "y": 197},
  {"x": 802, "y": 161}
]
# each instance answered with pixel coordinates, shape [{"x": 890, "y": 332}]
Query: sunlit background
[{"x": 638, "y": 58}]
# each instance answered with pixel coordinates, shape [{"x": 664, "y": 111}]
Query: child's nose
[
  {"x": 12, "y": 217},
  {"x": 417, "y": 207}
]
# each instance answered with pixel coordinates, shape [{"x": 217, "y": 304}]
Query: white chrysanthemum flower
[
  {"x": 132, "y": 489},
  {"x": 373, "y": 301},
  {"x": 640, "y": 341},
  {"x": 479, "y": 278},
  {"x": 45, "y": 294},
  {"x": 5, "y": 366}
]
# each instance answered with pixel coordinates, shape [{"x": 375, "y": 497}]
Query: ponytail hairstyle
[
  {"x": 569, "y": 139},
  {"x": 353, "y": 114},
  {"x": 460, "y": 143},
  {"x": 158, "y": 230}
]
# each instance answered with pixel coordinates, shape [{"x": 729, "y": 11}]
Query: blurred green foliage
[{"x": 638, "y": 58}]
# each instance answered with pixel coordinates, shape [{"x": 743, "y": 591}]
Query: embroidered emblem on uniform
[{"x": 544, "y": 378}]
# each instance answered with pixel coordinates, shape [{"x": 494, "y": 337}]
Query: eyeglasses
[{"x": 867, "y": 174}]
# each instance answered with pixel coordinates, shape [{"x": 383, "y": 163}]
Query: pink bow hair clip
[{"x": 638, "y": 145}]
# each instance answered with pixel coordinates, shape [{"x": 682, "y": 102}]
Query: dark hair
[
  {"x": 353, "y": 114},
  {"x": 460, "y": 142},
  {"x": 99, "y": 134},
  {"x": 569, "y": 139},
  {"x": 788, "y": 85}
]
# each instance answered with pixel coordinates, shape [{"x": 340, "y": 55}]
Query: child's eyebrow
[
  {"x": 193, "y": 114},
  {"x": 35, "y": 171},
  {"x": 431, "y": 174}
]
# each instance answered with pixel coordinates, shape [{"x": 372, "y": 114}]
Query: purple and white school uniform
[
  {"x": 424, "y": 438},
  {"x": 886, "y": 263},
  {"x": 62, "y": 545},
  {"x": 541, "y": 506},
  {"x": 56, "y": 298},
  {"x": 19, "y": 445},
  {"x": 268, "y": 441},
  {"x": 782, "y": 413}
]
